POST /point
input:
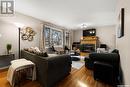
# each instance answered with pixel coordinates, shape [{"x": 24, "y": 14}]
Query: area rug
[{"x": 77, "y": 64}]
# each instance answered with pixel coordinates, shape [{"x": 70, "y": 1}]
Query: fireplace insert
[{"x": 87, "y": 48}]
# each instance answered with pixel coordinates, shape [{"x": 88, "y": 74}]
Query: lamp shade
[{"x": 19, "y": 25}]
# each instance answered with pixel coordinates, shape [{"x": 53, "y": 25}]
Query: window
[{"x": 53, "y": 37}]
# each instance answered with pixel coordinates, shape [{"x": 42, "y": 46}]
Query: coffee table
[{"x": 77, "y": 58}]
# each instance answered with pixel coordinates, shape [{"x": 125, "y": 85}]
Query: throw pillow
[
  {"x": 26, "y": 49},
  {"x": 36, "y": 49},
  {"x": 101, "y": 50},
  {"x": 30, "y": 50},
  {"x": 43, "y": 54},
  {"x": 33, "y": 50}
]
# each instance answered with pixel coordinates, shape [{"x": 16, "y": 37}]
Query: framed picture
[{"x": 120, "y": 28}]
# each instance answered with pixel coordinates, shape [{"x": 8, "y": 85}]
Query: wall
[
  {"x": 106, "y": 35},
  {"x": 9, "y": 32},
  {"x": 77, "y": 34},
  {"x": 123, "y": 44}
]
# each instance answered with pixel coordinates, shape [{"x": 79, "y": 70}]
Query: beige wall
[
  {"x": 106, "y": 35},
  {"x": 9, "y": 32},
  {"x": 123, "y": 44},
  {"x": 77, "y": 34}
]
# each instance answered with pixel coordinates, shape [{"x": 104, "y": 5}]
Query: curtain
[{"x": 42, "y": 46}]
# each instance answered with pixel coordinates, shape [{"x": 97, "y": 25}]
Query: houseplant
[
  {"x": 81, "y": 47},
  {"x": 8, "y": 46}
]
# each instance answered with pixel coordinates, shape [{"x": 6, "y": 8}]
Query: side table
[{"x": 5, "y": 60}]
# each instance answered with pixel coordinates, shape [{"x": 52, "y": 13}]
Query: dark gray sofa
[{"x": 50, "y": 70}]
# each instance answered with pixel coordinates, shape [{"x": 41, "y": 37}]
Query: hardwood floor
[{"x": 77, "y": 78}]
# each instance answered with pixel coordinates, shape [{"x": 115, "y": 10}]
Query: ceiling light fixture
[{"x": 85, "y": 25}]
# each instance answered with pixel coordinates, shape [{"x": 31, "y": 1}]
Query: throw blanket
[{"x": 17, "y": 65}]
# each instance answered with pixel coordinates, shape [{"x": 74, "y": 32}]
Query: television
[{"x": 89, "y": 32}]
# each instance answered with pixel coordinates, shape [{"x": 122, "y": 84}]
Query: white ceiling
[{"x": 70, "y": 13}]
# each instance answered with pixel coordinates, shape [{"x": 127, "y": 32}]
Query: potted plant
[
  {"x": 81, "y": 47},
  {"x": 8, "y": 46}
]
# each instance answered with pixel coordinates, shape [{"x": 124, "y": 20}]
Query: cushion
[
  {"x": 33, "y": 49},
  {"x": 26, "y": 49},
  {"x": 43, "y": 54},
  {"x": 37, "y": 51},
  {"x": 101, "y": 50},
  {"x": 30, "y": 50}
]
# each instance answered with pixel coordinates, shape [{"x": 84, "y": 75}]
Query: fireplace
[{"x": 87, "y": 48}]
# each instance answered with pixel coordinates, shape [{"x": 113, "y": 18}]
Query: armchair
[{"x": 106, "y": 67}]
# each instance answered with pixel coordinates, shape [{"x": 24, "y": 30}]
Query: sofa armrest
[{"x": 41, "y": 65}]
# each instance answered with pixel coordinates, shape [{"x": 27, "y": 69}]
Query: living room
[{"x": 60, "y": 24}]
